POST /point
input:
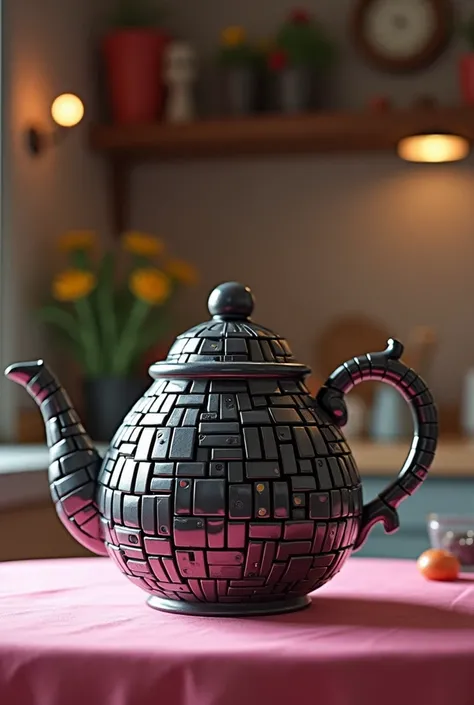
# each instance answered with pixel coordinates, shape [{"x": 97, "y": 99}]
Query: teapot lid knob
[{"x": 231, "y": 301}]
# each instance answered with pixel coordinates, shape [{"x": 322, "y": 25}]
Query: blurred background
[{"x": 290, "y": 148}]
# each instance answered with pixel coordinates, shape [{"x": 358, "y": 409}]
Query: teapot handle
[{"x": 386, "y": 367}]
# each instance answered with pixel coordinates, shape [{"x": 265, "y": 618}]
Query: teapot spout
[{"x": 74, "y": 462}]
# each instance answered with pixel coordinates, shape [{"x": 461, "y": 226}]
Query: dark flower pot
[
  {"x": 261, "y": 99},
  {"x": 239, "y": 90},
  {"x": 107, "y": 401},
  {"x": 295, "y": 90}
]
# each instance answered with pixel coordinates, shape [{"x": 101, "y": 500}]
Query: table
[{"x": 76, "y": 631}]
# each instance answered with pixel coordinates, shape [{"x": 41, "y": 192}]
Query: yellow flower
[
  {"x": 233, "y": 36},
  {"x": 73, "y": 284},
  {"x": 150, "y": 285},
  {"x": 77, "y": 240},
  {"x": 182, "y": 271},
  {"x": 143, "y": 244}
]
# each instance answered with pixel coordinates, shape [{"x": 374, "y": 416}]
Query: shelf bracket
[{"x": 120, "y": 196}]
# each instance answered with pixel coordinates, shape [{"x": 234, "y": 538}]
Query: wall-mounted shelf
[{"x": 266, "y": 135}]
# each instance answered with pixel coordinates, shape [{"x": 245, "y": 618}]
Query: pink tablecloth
[{"x": 75, "y": 632}]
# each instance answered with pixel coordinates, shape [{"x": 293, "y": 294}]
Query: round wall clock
[{"x": 402, "y": 35}]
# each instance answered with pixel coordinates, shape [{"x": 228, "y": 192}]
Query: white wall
[{"x": 49, "y": 48}]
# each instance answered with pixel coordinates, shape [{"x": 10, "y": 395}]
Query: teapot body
[
  {"x": 228, "y": 489},
  {"x": 229, "y": 493}
]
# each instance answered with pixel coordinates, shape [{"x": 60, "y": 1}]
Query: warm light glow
[
  {"x": 434, "y": 148},
  {"x": 67, "y": 110}
]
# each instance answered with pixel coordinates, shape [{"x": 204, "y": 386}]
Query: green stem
[
  {"x": 62, "y": 319},
  {"x": 80, "y": 259},
  {"x": 149, "y": 337},
  {"x": 106, "y": 307},
  {"x": 140, "y": 262},
  {"x": 89, "y": 337},
  {"x": 129, "y": 337},
  {"x": 107, "y": 319}
]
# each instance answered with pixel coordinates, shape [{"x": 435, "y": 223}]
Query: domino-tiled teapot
[{"x": 228, "y": 489}]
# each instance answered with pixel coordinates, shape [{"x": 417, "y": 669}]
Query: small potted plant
[
  {"x": 301, "y": 56},
  {"x": 237, "y": 61},
  {"x": 466, "y": 64},
  {"x": 111, "y": 310},
  {"x": 133, "y": 51}
]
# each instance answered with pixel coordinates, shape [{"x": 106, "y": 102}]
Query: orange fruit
[{"x": 437, "y": 564}]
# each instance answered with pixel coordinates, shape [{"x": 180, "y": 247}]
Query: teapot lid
[{"x": 230, "y": 344}]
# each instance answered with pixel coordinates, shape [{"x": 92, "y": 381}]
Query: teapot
[{"x": 228, "y": 489}]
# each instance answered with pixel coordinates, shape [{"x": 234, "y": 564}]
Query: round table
[{"x": 77, "y": 632}]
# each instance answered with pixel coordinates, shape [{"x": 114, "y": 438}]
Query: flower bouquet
[
  {"x": 109, "y": 310},
  {"x": 238, "y": 63},
  {"x": 301, "y": 54}
]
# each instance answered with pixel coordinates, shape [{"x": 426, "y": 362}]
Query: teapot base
[{"x": 243, "y": 609}]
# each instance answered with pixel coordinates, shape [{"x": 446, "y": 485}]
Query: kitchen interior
[{"x": 318, "y": 154}]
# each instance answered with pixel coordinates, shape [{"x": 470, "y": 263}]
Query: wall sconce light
[
  {"x": 434, "y": 147},
  {"x": 67, "y": 110}
]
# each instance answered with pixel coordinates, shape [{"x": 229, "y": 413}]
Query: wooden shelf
[
  {"x": 277, "y": 134},
  {"x": 265, "y": 135}
]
